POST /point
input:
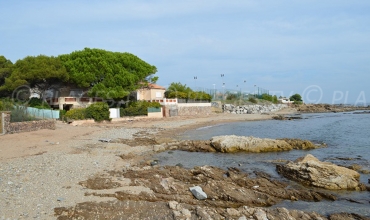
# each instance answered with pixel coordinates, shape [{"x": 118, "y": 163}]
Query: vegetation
[
  {"x": 38, "y": 103},
  {"x": 296, "y": 98},
  {"x": 105, "y": 74},
  {"x": 19, "y": 114},
  {"x": 231, "y": 97},
  {"x": 76, "y": 114},
  {"x": 110, "y": 75},
  {"x": 6, "y": 104},
  {"x": 5, "y": 71},
  {"x": 253, "y": 100},
  {"x": 40, "y": 73},
  {"x": 98, "y": 111},
  {"x": 138, "y": 108},
  {"x": 181, "y": 91},
  {"x": 62, "y": 115},
  {"x": 270, "y": 98}
]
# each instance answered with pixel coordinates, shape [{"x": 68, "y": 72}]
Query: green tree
[
  {"x": 296, "y": 98},
  {"x": 5, "y": 71},
  {"x": 40, "y": 72},
  {"x": 181, "y": 91},
  {"x": 178, "y": 90},
  {"x": 178, "y": 87},
  {"x": 110, "y": 75}
]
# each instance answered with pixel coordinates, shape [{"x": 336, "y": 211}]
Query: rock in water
[
  {"x": 310, "y": 171},
  {"x": 233, "y": 143},
  {"x": 198, "y": 192}
]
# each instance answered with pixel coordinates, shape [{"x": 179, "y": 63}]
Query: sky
[{"x": 319, "y": 49}]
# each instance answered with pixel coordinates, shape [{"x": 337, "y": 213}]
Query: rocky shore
[
  {"x": 253, "y": 109},
  {"x": 323, "y": 108},
  {"x": 70, "y": 173}
]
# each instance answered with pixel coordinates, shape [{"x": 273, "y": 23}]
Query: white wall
[{"x": 114, "y": 113}]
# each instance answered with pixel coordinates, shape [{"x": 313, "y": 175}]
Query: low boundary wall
[
  {"x": 26, "y": 126},
  {"x": 185, "y": 109}
]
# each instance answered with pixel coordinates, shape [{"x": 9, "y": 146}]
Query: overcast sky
[{"x": 319, "y": 49}]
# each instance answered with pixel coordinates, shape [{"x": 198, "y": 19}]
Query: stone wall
[
  {"x": 252, "y": 109},
  {"x": 185, "y": 109},
  {"x": 26, "y": 126},
  {"x": 194, "y": 110}
]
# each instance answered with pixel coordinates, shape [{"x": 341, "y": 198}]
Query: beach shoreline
[{"x": 44, "y": 170}]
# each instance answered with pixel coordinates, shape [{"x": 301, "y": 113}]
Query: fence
[
  {"x": 154, "y": 110},
  {"x": 26, "y": 126},
  {"x": 238, "y": 93},
  {"x": 43, "y": 113}
]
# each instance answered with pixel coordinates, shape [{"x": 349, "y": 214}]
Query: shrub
[
  {"x": 270, "y": 98},
  {"x": 202, "y": 96},
  {"x": 231, "y": 97},
  {"x": 138, "y": 108},
  {"x": 62, "y": 115},
  {"x": 98, "y": 111},
  {"x": 19, "y": 114},
  {"x": 189, "y": 94},
  {"x": 133, "y": 111},
  {"x": 6, "y": 105},
  {"x": 76, "y": 114},
  {"x": 253, "y": 100},
  {"x": 38, "y": 103}
]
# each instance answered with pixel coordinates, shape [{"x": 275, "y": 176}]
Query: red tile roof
[{"x": 155, "y": 86}]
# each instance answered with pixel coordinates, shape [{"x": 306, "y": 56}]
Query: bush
[
  {"x": 133, "y": 111},
  {"x": 188, "y": 95},
  {"x": 62, "y": 115},
  {"x": 202, "y": 96},
  {"x": 76, "y": 114},
  {"x": 253, "y": 100},
  {"x": 270, "y": 98},
  {"x": 19, "y": 114},
  {"x": 138, "y": 108},
  {"x": 98, "y": 111},
  {"x": 231, "y": 97},
  {"x": 6, "y": 105},
  {"x": 38, "y": 103}
]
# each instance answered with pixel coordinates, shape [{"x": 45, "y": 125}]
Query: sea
[{"x": 347, "y": 139}]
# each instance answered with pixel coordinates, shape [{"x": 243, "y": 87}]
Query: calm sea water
[{"x": 347, "y": 136}]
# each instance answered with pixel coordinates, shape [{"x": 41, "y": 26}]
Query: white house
[{"x": 285, "y": 100}]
